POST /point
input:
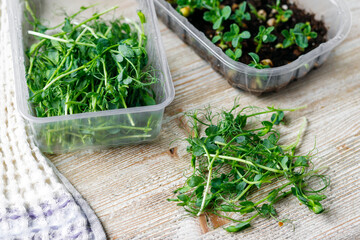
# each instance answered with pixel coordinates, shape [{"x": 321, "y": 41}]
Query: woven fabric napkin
[{"x": 36, "y": 201}]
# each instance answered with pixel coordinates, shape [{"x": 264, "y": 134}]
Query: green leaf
[
  {"x": 230, "y": 53},
  {"x": 285, "y": 33},
  {"x": 287, "y": 43},
  {"x": 211, "y": 130},
  {"x": 216, "y": 183},
  {"x": 218, "y": 23},
  {"x": 226, "y": 12},
  {"x": 277, "y": 117},
  {"x": 245, "y": 35},
  {"x": 247, "y": 204},
  {"x": 128, "y": 81},
  {"x": 195, "y": 181},
  {"x": 126, "y": 51},
  {"x": 272, "y": 195},
  {"x": 193, "y": 161},
  {"x": 118, "y": 57},
  {"x": 268, "y": 144},
  {"x": 183, "y": 189},
  {"x": 301, "y": 41},
  {"x": 211, "y": 147},
  {"x": 241, "y": 139},
  {"x": 141, "y": 17},
  {"x": 216, "y": 39},
  {"x": 219, "y": 139},
  {"x": 316, "y": 197},
  {"x": 238, "y": 53},
  {"x": 235, "y": 42},
  {"x": 101, "y": 45},
  {"x": 255, "y": 57},
  {"x": 183, "y": 197},
  {"x": 234, "y": 28},
  {"x": 198, "y": 150},
  {"x": 313, "y": 35},
  {"x": 301, "y": 162},
  {"x": 68, "y": 26},
  {"x": 149, "y": 101},
  {"x": 57, "y": 45},
  {"x": 316, "y": 207},
  {"x": 227, "y": 208},
  {"x": 284, "y": 163},
  {"x": 273, "y": 138},
  {"x": 257, "y": 178},
  {"x": 239, "y": 227}
]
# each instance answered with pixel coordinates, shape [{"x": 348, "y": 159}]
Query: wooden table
[{"x": 128, "y": 186}]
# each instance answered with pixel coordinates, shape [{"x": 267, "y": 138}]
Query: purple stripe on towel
[
  {"x": 63, "y": 208},
  {"x": 48, "y": 210}
]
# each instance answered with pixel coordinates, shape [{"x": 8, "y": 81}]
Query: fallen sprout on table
[{"x": 235, "y": 154}]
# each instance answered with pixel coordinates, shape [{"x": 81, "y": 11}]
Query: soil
[{"x": 279, "y": 57}]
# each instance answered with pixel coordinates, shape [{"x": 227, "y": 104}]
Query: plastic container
[
  {"x": 98, "y": 129},
  {"x": 337, "y": 18}
]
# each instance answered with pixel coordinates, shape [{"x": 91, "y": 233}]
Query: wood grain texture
[{"x": 128, "y": 186}]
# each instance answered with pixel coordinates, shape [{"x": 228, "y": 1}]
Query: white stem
[{"x": 47, "y": 37}]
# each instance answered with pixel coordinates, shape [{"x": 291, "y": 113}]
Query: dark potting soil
[{"x": 279, "y": 57}]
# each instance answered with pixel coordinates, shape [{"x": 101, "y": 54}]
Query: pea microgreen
[
  {"x": 240, "y": 15},
  {"x": 255, "y": 12},
  {"x": 299, "y": 35},
  {"x": 264, "y": 36},
  {"x": 217, "y": 16},
  {"x": 256, "y": 62},
  {"x": 235, "y": 153},
  {"x": 281, "y": 14},
  {"x": 235, "y": 37}
]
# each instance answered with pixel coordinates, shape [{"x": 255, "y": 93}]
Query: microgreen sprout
[
  {"x": 238, "y": 154},
  {"x": 240, "y": 15},
  {"x": 299, "y": 35},
  {"x": 217, "y": 16},
  {"x": 261, "y": 16},
  {"x": 256, "y": 63},
  {"x": 281, "y": 14},
  {"x": 264, "y": 36},
  {"x": 235, "y": 37}
]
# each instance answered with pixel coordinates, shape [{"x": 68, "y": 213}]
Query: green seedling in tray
[
  {"x": 264, "y": 36},
  {"x": 281, "y": 14},
  {"x": 255, "y": 12},
  {"x": 217, "y": 16},
  {"x": 233, "y": 155},
  {"x": 235, "y": 37},
  {"x": 241, "y": 15},
  {"x": 299, "y": 35},
  {"x": 256, "y": 63}
]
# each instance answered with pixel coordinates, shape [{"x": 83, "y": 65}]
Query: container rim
[
  {"x": 168, "y": 86},
  {"x": 343, "y": 11}
]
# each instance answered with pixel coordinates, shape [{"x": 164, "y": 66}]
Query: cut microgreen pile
[
  {"x": 88, "y": 66},
  {"x": 237, "y": 155}
]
